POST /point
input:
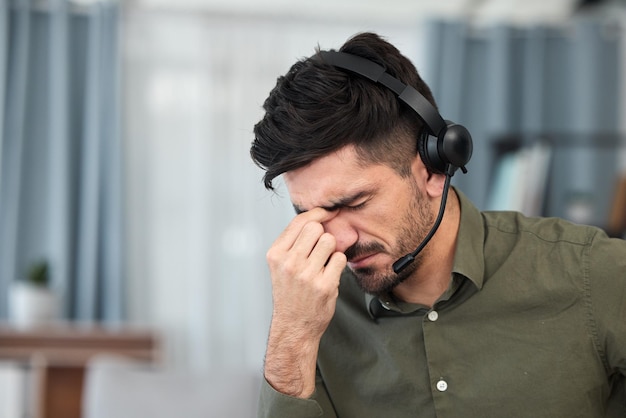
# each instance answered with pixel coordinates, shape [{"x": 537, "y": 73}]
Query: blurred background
[{"x": 125, "y": 179}]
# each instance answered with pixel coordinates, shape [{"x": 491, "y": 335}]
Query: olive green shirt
[{"x": 532, "y": 325}]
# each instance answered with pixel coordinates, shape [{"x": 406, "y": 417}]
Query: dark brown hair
[{"x": 316, "y": 109}]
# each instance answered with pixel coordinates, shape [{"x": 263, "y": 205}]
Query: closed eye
[
  {"x": 356, "y": 207},
  {"x": 350, "y": 203}
]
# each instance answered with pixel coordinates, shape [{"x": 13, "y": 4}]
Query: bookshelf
[{"x": 579, "y": 177}]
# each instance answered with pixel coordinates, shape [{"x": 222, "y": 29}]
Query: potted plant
[{"x": 32, "y": 300}]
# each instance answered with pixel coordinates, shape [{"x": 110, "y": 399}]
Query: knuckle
[
  {"x": 288, "y": 268},
  {"x": 271, "y": 256},
  {"x": 327, "y": 240},
  {"x": 313, "y": 228}
]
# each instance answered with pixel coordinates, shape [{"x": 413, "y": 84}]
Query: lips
[
  {"x": 361, "y": 254},
  {"x": 360, "y": 261}
]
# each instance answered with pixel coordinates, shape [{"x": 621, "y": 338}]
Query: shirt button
[
  {"x": 433, "y": 315},
  {"x": 442, "y": 386}
]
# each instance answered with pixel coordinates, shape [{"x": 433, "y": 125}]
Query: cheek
[
  {"x": 391, "y": 218},
  {"x": 382, "y": 225}
]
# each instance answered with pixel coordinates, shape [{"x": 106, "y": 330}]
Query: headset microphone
[
  {"x": 444, "y": 146},
  {"x": 403, "y": 262}
]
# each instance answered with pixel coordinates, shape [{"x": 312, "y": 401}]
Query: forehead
[{"x": 333, "y": 178}]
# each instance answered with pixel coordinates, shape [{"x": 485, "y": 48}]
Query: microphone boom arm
[{"x": 403, "y": 262}]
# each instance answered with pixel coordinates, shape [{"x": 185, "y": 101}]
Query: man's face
[{"x": 381, "y": 216}]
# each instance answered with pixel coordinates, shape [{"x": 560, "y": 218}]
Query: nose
[{"x": 345, "y": 234}]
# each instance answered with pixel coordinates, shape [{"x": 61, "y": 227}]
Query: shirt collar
[
  {"x": 387, "y": 305},
  {"x": 469, "y": 259}
]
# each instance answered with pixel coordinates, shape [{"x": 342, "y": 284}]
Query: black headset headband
[
  {"x": 449, "y": 145},
  {"x": 376, "y": 73}
]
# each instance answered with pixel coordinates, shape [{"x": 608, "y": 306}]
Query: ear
[
  {"x": 434, "y": 185},
  {"x": 431, "y": 183}
]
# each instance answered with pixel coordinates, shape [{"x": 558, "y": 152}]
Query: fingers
[
  {"x": 304, "y": 250},
  {"x": 316, "y": 258},
  {"x": 289, "y": 236},
  {"x": 304, "y": 245},
  {"x": 311, "y": 236},
  {"x": 322, "y": 250},
  {"x": 335, "y": 265}
]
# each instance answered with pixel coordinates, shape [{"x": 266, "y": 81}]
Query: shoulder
[
  {"x": 550, "y": 230},
  {"x": 555, "y": 247}
]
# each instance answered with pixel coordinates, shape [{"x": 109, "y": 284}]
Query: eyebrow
[{"x": 340, "y": 203}]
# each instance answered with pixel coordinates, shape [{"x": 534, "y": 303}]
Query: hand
[{"x": 305, "y": 271}]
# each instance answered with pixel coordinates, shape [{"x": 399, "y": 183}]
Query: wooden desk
[{"x": 57, "y": 356}]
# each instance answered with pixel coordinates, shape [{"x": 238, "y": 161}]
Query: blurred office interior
[{"x": 126, "y": 126}]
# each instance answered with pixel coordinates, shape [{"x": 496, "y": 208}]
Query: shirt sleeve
[
  {"x": 606, "y": 268},
  {"x": 274, "y": 404}
]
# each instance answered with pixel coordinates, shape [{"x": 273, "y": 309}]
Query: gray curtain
[
  {"x": 60, "y": 160},
  {"x": 556, "y": 84}
]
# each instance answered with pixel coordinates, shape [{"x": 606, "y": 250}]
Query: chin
[{"x": 376, "y": 282}]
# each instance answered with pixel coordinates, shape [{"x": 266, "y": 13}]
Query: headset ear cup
[
  {"x": 454, "y": 147},
  {"x": 427, "y": 148}
]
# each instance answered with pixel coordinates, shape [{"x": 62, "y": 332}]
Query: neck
[{"x": 432, "y": 277}]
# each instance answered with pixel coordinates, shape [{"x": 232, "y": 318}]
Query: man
[{"x": 498, "y": 316}]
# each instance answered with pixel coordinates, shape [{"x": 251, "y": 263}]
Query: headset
[{"x": 444, "y": 146}]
